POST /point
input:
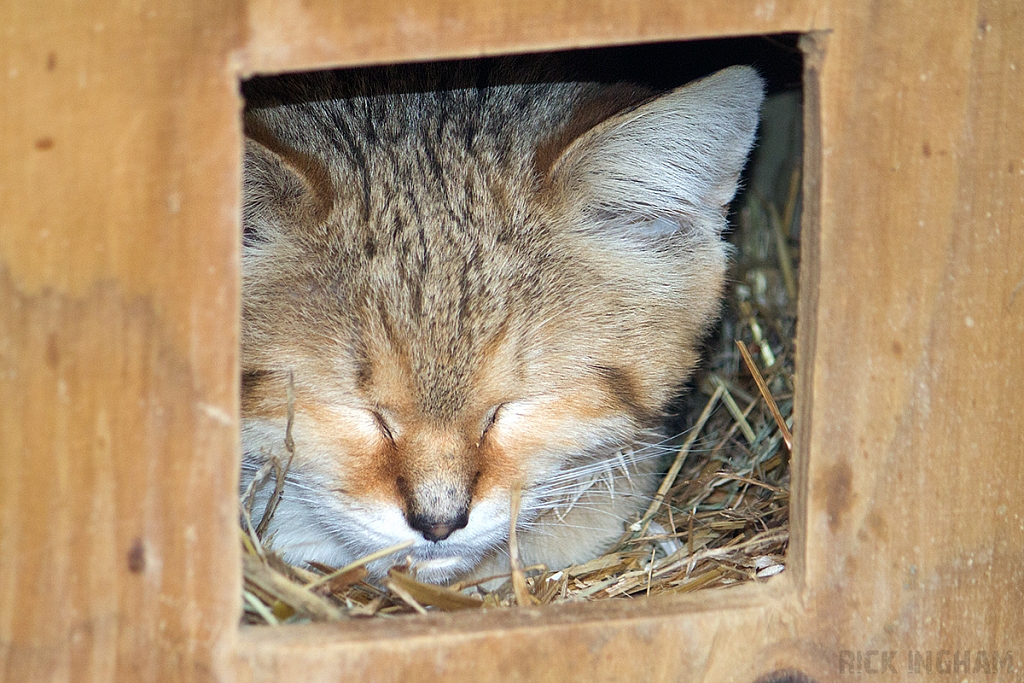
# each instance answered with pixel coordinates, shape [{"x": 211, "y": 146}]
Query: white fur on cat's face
[
  {"x": 328, "y": 516},
  {"x": 477, "y": 290}
]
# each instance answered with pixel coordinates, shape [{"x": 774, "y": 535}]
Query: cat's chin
[
  {"x": 443, "y": 569},
  {"x": 441, "y": 562},
  {"x": 430, "y": 564},
  {"x": 345, "y": 536}
]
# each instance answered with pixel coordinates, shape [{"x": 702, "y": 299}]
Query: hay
[{"x": 719, "y": 518}]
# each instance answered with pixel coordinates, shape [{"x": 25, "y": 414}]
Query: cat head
[{"x": 474, "y": 292}]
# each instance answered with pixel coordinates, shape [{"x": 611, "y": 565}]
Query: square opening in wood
[{"x": 519, "y": 330}]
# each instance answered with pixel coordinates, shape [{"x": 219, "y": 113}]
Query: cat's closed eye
[
  {"x": 490, "y": 419},
  {"x": 383, "y": 426}
]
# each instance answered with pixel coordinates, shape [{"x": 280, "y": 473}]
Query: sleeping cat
[{"x": 481, "y": 279}]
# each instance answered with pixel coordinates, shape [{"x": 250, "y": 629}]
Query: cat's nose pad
[{"x": 434, "y": 529}]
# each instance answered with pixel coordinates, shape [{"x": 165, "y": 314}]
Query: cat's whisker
[{"x": 623, "y": 466}]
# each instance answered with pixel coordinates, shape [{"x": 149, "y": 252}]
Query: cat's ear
[
  {"x": 670, "y": 163},
  {"x": 283, "y": 186}
]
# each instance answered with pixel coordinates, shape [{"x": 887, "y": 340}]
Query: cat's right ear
[
  {"x": 668, "y": 165},
  {"x": 283, "y": 187}
]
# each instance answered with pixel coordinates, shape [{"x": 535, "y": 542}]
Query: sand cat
[{"x": 481, "y": 279}]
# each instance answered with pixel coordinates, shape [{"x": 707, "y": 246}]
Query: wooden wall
[{"x": 119, "y": 213}]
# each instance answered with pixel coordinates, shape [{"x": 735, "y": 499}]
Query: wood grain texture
[
  {"x": 914, "y": 513},
  {"x": 290, "y": 35},
  {"x": 600, "y": 642},
  {"x": 119, "y": 177},
  {"x": 118, "y": 343}
]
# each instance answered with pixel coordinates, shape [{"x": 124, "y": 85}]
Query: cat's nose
[{"x": 435, "y": 529}]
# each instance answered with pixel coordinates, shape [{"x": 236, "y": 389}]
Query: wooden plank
[
  {"x": 292, "y": 35},
  {"x": 915, "y": 472},
  {"x": 119, "y": 176},
  {"x": 608, "y": 641}
]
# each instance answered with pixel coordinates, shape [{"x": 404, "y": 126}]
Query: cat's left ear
[{"x": 671, "y": 163}]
